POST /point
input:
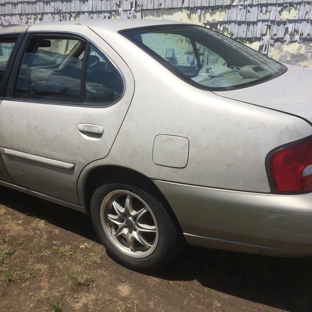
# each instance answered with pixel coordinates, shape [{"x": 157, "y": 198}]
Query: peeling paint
[
  {"x": 275, "y": 30},
  {"x": 271, "y": 26}
]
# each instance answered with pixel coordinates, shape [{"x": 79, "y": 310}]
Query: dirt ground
[{"x": 51, "y": 260}]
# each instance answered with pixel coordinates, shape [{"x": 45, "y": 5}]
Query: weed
[
  {"x": 55, "y": 307},
  {"x": 79, "y": 280},
  {"x": 4, "y": 240},
  {"x": 29, "y": 275},
  {"x": 9, "y": 277},
  {"x": 6, "y": 255},
  {"x": 183, "y": 286},
  {"x": 87, "y": 246},
  {"x": 94, "y": 258},
  {"x": 40, "y": 221},
  {"x": 19, "y": 243},
  {"x": 45, "y": 253},
  {"x": 109, "y": 301},
  {"x": 66, "y": 251}
]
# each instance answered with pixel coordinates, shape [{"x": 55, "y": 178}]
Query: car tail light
[{"x": 291, "y": 168}]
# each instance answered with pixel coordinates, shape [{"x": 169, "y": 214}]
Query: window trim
[
  {"x": 19, "y": 57},
  {"x": 183, "y": 77},
  {"x": 8, "y": 70}
]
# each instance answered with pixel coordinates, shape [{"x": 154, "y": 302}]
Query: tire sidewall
[{"x": 164, "y": 223}]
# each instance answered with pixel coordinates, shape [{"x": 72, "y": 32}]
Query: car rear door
[{"x": 65, "y": 103}]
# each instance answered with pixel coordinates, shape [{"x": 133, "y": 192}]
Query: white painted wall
[{"x": 281, "y": 29}]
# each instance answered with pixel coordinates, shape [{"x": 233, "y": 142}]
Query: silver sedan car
[{"x": 164, "y": 132}]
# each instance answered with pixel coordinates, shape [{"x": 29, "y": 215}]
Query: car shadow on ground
[{"x": 283, "y": 283}]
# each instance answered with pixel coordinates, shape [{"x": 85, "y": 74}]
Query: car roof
[
  {"x": 114, "y": 25},
  {"x": 121, "y": 24},
  {"x": 14, "y": 29}
]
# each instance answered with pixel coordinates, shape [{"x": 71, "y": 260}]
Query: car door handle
[{"x": 88, "y": 128}]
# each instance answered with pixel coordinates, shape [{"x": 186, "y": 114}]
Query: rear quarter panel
[{"x": 228, "y": 140}]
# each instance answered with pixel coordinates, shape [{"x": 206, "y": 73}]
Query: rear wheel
[{"x": 135, "y": 227}]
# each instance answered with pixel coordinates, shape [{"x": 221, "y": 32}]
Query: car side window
[
  {"x": 104, "y": 83},
  {"x": 6, "y": 47},
  {"x": 52, "y": 69}
]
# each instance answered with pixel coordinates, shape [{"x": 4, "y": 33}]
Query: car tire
[{"x": 135, "y": 227}]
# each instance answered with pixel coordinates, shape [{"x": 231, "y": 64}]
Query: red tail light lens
[{"x": 291, "y": 168}]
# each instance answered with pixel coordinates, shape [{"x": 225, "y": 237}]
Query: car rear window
[{"x": 204, "y": 58}]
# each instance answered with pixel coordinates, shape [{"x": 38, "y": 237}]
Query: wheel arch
[{"x": 115, "y": 174}]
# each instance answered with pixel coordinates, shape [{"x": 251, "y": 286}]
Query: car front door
[{"x": 63, "y": 110}]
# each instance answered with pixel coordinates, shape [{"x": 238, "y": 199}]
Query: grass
[
  {"x": 9, "y": 276},
  {"x": 93, "y": 256},
  {"x": 29, "y": 275},
  {"x": 6, "y": 255},
  {"x": 56, "y": 306},
  {"x": 4, "y": 240},
  {"x": 64, "y": 250},
  {"x": 275, "y": 282},
  {"x": 109, "y": 301},
  {"x": 41, "y": 222},
  {"x": 79, "y": 280},
  {"x": 19, "y": 243}
]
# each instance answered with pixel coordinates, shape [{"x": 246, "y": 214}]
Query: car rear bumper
[{"x": 269, "y": 224}]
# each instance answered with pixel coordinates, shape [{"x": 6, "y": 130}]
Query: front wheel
[{"x": 135, "y": 227}]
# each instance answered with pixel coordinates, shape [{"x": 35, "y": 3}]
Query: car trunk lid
[{"x": 289, "y": 93}]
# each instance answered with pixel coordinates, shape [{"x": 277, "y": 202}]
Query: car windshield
[{"x": 204, "y": 58}]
